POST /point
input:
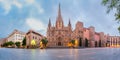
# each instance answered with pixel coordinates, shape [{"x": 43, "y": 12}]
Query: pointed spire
[
  {"x": 69, "y": 24},
  {"x": 49, "y": 25},
  {"x": 59, "y": 20},
  {"x": 59, "y": 11}
]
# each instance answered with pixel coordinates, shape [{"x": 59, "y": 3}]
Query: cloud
[
  {"x": 18, "y": 4},
  {"x": 30, "y": 1},
  {"x": 35, "y": 24},
  {"x": 7, "y": 5}
]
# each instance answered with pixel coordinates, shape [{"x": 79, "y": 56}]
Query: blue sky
[{"x": 34, "y": 14}]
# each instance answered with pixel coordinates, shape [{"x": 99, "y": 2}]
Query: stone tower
[{"x": 59, "y": 35}]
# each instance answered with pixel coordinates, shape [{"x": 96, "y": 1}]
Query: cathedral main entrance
[{"x": 59, "y": 41}]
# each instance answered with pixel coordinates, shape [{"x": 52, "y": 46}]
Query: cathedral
[{"x": 60, "y": 35}]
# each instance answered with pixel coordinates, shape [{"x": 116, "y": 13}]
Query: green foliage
[
  {"x": 119, "y": 29},
  {"x": 17, "y": 44},
  {"x": 5, "y": 44},
  {"x": 113, "y": 4},
  {"x": 44, "y": 41},
  {"x": 8, "y": 44},
  {"x": 73, "y": 42},
  {"x": 24, "y": 41}
]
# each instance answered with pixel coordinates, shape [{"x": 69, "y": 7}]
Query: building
[
  {"x": 92, "y": 36},
  {"x": 2, "y": 41},
  {"x": 33, "y": 36},
  {"x": 114, "y": 41},
  {"x": 16, "y": 36},
  {"x": 97, "y": 39},
  {"x": 86, "y": 37},
  {"x": 60, "y": 35},
  {"x": 78, "y": 33}
]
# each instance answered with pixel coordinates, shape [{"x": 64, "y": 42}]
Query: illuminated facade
[
  {"x": 16, "y": 36},
  {"x": 114, "y": 41},
  {"x": 33, "y": 38},
  {"x": 60, "y": 35}
]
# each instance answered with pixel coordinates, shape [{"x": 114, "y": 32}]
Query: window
[{"x": 33, "y": 37}]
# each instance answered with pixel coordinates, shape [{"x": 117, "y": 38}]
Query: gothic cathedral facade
[{"x": 60, "y": 35}]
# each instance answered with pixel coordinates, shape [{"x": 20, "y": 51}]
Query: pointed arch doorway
[{"x": 59, "y": 41}]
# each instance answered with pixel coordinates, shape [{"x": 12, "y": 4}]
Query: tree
[
  {"x": 44, "y": 42},
  {"x": 17, "y": 44},
  {"x": 73, "y": 42},
  {"x": 5, "y": 44},
  {"x": 113, "y": 4},
  {"x": 10, "y": 43},
  {"x": 119, "y": 29},
  {"x": 24, "y": 41}
]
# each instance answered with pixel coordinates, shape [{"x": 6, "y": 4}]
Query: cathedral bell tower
[
  {"x": 49, "y": 24},
  {"x": 59, "y": 20},
  {"x": 69, "y": 25}
]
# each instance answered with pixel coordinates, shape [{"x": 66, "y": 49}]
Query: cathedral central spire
[
  {"x": 59, "y": 11},
  {"x": 49, "y": 24},
  {"x": 59, "y": 20},
  {"x": 69, "y": 24}
]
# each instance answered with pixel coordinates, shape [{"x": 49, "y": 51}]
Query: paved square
[{"x": 60, "y": 54}]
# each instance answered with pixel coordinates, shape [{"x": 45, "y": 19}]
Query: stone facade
[
  {"x": 60, "y": 35},
  {"x": 97, "y": 39},
  {"x": 16, "y": 36},
  {"x": 2, "y": 41},
  {"x": 114, "y": 41},
  {"x": 32, "y": 35}
]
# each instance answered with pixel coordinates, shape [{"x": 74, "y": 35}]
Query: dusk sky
[{"x": 34, "y": 14}]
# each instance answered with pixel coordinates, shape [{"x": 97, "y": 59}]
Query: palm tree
[
  {"x": 72, "y": 42},
  {"x": 44, "y": 42}
]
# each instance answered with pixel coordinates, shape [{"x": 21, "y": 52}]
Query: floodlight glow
[{"x": 33, "y": 42}]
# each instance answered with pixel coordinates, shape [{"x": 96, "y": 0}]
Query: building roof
[
  {"x": 16, "y": 31},
  {"x": 32, "y": 31}
]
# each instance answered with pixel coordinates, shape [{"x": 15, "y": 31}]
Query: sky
[{"x": 34, "y": 14}]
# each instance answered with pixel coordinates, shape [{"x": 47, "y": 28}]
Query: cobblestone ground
[{"x": 60, "y": 54}]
